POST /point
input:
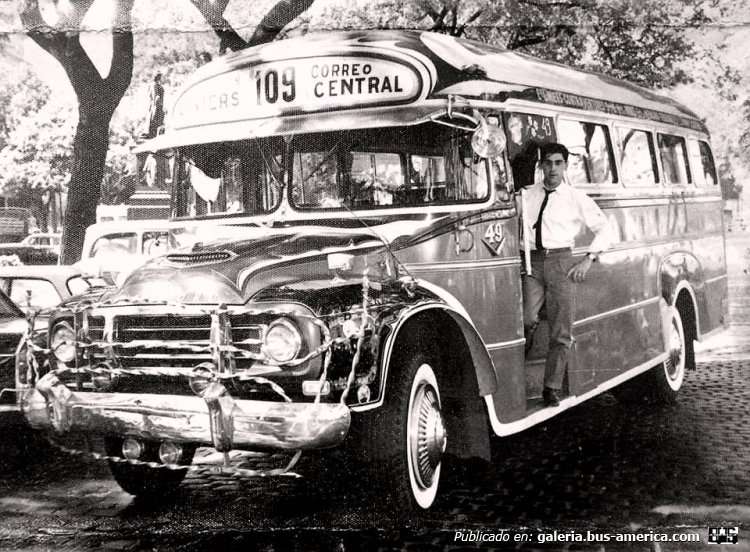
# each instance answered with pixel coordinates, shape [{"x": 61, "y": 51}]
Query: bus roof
[{"x": 383, "y": 77}]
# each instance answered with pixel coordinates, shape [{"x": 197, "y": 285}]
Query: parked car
[
  {"x": 32, "y": 288},
  {"x": 112, "y": 249},
  {"x": 13, "y": 326},
  {"x": 35, "y": 249},
  {"x": 50, "y": 240},
  {"x": 41, "y": 288}
]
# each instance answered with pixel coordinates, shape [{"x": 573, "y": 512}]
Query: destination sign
[{"x": 296, "y": 86}]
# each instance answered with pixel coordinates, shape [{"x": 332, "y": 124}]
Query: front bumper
[{"x": 215, "y": 418}]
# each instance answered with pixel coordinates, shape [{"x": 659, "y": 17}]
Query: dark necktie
[{"x": 538, "y": 223}]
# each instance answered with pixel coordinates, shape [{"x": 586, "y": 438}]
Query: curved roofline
[{"x": 454, "y": 66}]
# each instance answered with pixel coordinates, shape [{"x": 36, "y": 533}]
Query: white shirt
[{"x": 568, "y": 211}]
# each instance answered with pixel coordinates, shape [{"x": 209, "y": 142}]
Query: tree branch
[
  {"x": 213, "y": 13},
  {"x": 37, "y": 29},
  {"x": 71, "y": 14},
  {"x": 426, "y": 6},
  {"x": 278, "y": 17},
  {"x": 531, "y": 41},
  {"x": 602, "y": 46},
  {"x": 468, "y": 22},
  {"x": 545, "y": 5}
]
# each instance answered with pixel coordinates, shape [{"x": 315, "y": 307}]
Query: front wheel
[
  {"x": 142, "y": 480},
  {"x": 405, "y": 440}
]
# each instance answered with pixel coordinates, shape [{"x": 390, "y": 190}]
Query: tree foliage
[
  {"x": 99, "y": 95},
  {"x": 45, "y": 142},
  {"x": 643, "y": 41}
]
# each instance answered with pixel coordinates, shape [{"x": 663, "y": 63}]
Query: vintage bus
[{"x": 354, "y": 278}]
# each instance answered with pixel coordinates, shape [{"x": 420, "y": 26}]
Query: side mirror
[{"x": 488, "y": 140}]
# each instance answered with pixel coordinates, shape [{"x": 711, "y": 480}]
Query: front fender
[{"x": 422, "y": 313}]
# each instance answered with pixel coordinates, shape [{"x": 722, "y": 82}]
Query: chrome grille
[{"x": 158, "y": 335}]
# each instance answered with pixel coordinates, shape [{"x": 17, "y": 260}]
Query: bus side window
[
  {"x": 674, "y": 159},
  {"x": 702, "y": 162},
  {"x": 591, "y": 160},
  {"x": 637, "y": 157}
]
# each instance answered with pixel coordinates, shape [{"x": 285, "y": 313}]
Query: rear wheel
[
  {"x": 661, "y": 384},
  {"x": 667, "y": 378},
  {"x": 142, "y": 480}
]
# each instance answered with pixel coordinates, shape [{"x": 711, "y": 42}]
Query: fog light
[
  {"x": 311, "y": 387},
  {"x": 363, "y": 394},
  {"x": 63, "y": 342},
  {"x": 105, "y": 379},
  {"x": 350, "y": 327},
  {"x": 170, "y": 453},
  {"x": 132, "y": 449},
  {"x": 202, "y": 375}
]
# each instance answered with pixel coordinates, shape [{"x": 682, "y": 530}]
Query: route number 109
[{"x": 270, "y": 85}]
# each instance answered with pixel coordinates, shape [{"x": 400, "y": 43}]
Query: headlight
[
  {"x": 63, "y": 342},
  {"x": 282, "y": 341}
]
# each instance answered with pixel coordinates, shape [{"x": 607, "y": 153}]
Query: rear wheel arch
[{"x": 685, "y": 301}]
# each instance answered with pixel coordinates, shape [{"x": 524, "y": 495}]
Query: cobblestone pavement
[{"x": 602, "y": 467}]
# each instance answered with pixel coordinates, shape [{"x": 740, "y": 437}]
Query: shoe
[{"x": 550, "y": 397}]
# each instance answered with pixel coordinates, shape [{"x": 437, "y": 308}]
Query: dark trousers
[{"x": 547, "y": 285}]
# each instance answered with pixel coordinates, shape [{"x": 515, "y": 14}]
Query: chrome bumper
[{"x": 215, "y": 418}]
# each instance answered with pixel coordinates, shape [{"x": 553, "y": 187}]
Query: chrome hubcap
[
  {"x": 427, "y": 434},
  {"x": 674, "y": 364}
]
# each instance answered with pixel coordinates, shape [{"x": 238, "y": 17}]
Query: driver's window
[
  {"x": 317, "y": 184},
  {"x": 115, "y": 244},
  {"x": 32, "y": 294},
  {"x": 155, "y": 243},
  {"x": 378, "y": 177}
]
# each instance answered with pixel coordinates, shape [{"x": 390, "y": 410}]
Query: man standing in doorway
[{"x": 555, "y": 213}]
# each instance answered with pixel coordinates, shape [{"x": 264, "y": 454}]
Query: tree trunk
[
  {"x": 98, "y": 97},
  {"x": 89, "y": 156}
]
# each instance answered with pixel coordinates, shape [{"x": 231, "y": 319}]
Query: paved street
[{"x": 602, "y": 467}]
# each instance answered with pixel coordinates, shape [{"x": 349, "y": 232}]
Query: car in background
[
  {"x": 13, "y": 326},
  {"x": 50, "y": 240},
  {"x": 112, "y": 250},
  {"x": 27, "y": 289},
  {"x": 42, "y": 288},
  {"x": 39, "y": 248}
]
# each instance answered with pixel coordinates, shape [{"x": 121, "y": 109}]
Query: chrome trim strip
[
  {"x": 613, "y": 198},
  {"x": 716, "y": 279},
  {"x": 505, "y": 344},
  {"x": 462, "y": 265},
  {"x": 618, "y": 310},
  {"x": 642, "y": 244},
  {"x": 502, "y": 429}
]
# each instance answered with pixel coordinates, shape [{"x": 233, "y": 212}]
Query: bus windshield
[{"x": 402, "y": 167}]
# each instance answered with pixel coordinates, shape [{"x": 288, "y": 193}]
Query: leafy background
[{"x": 693, "y": 50}]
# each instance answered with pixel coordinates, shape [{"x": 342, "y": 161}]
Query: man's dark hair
[{"x": 553, "y": 147}]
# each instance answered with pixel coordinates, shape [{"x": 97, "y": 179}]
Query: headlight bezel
[
  {"x": 57, "y": 345},
  {"x": 294, "y": 340}
]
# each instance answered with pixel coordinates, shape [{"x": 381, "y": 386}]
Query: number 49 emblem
[{"x": 494, "y": 238}]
